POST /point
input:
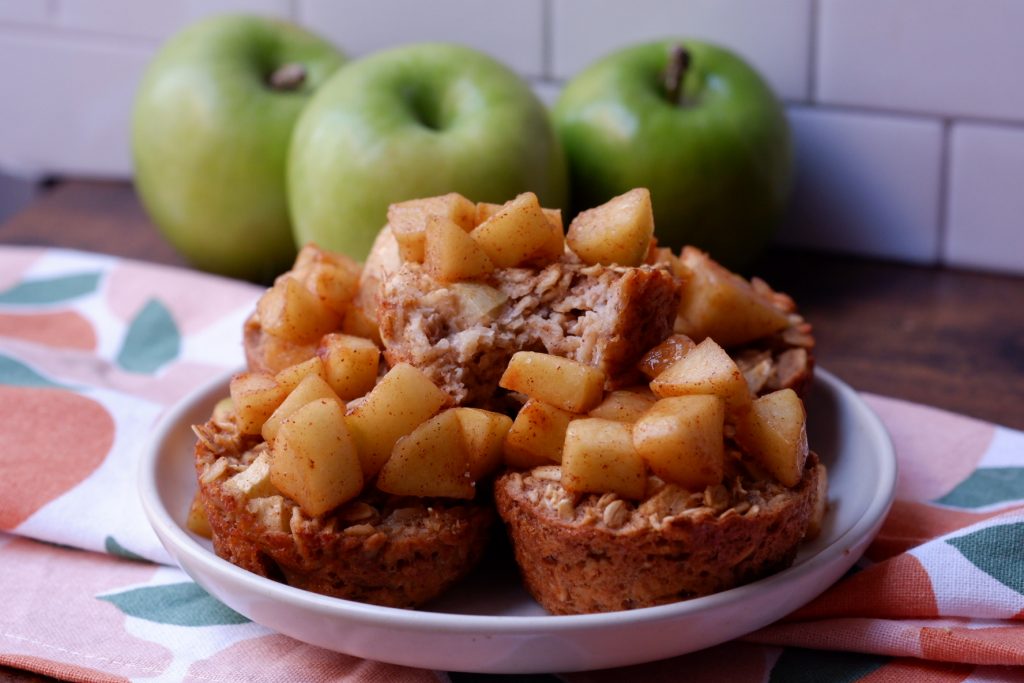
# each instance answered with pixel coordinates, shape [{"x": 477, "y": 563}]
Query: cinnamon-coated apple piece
[
  {"x": 705, "y": 369},
  {"x": 720, "y": 304},
  {"x": 408, "y": 221},
  {"x": 255, "y": 396},
  {"x": 520, "y": 233},
  {"x": 599, "y": 457},
  {"x": 314, "y": 459},
  {"x": 402, "y": 400},
  {"x": 432, "y": 461},
  {"x": 537, "y": 435},
  {"x": 774, "y": 431},
  {"x": 562, "y": 382},
  {"x": 616, "y": 232},
  {"x": 450, "y": 254},
  {"x": 311, "y": 388},
  {"x": 350, "y": 364},
  {"x": 681, "y": 440}
]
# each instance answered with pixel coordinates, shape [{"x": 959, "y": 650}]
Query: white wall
[{"x": 908, "y": 114}]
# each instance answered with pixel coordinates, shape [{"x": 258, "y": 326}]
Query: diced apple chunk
[
  {"x": 314, "y": 459},
  {"x": 562, "y": 382},
  {"x": 660, "y": 357},
  {"x": 599, "y": 457},
  {"x": 553, "y": 249},
  {"x": 197, "y": 522},
  {"x": 290, "y": 311},
  {"x": 705, "y": 369},
  {"x": 311, "y": 388},
  {"x": 478, "y": 301},
  {"x": 537, "y": 435},
  {"x": 616, "y": 232},
  {"x": 483, "y": 432},
  {"x": 350, "y": 364},
  {"x": 408, "y": 221},
  {"x": 451, "y": 254},
  {"x": 255, "y": 397},
  {"x": 253, "y": 481},
  {"x": 518, "y": 233},
  {"x": 430, "y": 462},
  {"x": 290, "y": 377},
  {"x": 720, "y": 304},
  {"x": 333, "y": 278},
  {"x": 623, "y": 405},
  {"x": 681, "y": 439},
  {"x": 774, "y": 431},
  {"x": 358, "y": 324},
  {"x": 400, "y": 402}
]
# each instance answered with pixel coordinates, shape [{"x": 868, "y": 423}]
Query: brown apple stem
[
  {"x": 288, "y": 76},
  {"x": 675, "y": 73}
]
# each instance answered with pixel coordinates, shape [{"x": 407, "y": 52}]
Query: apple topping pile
[{"x": 664, "y": 367}]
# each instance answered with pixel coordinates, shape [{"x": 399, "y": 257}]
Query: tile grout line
[
  {"x": 945, "y": 182},
  {"x": 546, "y": 37},
  {"x": 813, "y": 44}
]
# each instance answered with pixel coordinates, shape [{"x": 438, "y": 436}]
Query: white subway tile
[
  {"x": 985, "y": 210},
  {"x": 866, "y": 184},
  {"x": 944, "y": 57},
  {"x": 773, "y": 36},
  {"x": 155, "y": 19},
  {"x": 510, "y": 31},
  {"x": 547, "y": 91},
  {"x": 69, "y": 112},
  {"x": 30, "y": 12}
]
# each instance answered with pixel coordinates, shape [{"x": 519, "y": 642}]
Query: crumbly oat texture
[
  {"x": 594, "y": 553},
  {"x": 604, "y": 316},
  {"x": 380, "y": 549}
]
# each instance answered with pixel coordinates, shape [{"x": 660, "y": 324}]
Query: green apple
[
  {"x": 416, "y": 121},
  {"x": 211, "y": 125},
  {"x": 697, "y": 126}
]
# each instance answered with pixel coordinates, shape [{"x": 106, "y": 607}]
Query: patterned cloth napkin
[{"x": 94, "y": 349}]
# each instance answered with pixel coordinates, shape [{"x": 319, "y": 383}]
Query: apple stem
[
  {"x": 675, "y": 73},
  {"x": 288, "y": 76}
]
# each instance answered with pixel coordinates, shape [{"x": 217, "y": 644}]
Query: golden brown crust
[
  {"x": 600, "y": 554},
  {"x": 385, "y": 550}
]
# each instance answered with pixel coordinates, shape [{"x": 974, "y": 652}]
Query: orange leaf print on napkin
[
  {"x": 59, "y": 330},
  {"x": 50, "y": 441}
]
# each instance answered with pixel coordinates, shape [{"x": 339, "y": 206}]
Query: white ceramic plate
[{"x": 489, "y": 623}]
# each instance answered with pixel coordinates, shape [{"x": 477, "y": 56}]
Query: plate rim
[{"x": 170, "y": 532}]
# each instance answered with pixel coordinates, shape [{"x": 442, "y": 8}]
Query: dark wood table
[{"x": 942, "y": 337}]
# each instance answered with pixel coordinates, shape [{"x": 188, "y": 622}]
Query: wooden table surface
[{"x": 946, "y": 338}]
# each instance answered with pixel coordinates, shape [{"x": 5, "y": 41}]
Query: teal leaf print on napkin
[
  {"x": 998, "y": 551},
  {"x": 16, "y": 373},
  {"x": 179, "y": 604},
  {"x": 114, "y": 548},
  {"x": 798, "y": 665},
  {"x": 51, "y": 290},
  {"x": 152, "y": 340},
  {"x": 987, "y": 486}
]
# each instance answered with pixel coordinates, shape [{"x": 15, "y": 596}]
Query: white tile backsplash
[
  {"x": 24, "y": 11},
  {"x": 511, "y": 31},
  {"x": 155, "y": 20},
  {"x": 908, "y": 115},
  {"x": 942, "y": 57},
  {"x": 774, "y": 36},
  {"x": 985, "y": 216},
  {"x": 69, "y": 113},
  {"x": 866, "y": 184}
]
